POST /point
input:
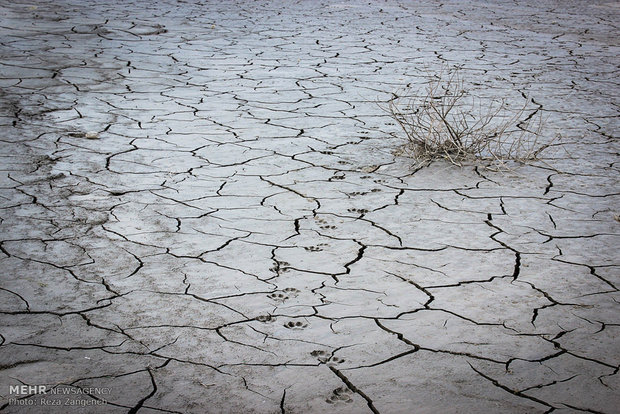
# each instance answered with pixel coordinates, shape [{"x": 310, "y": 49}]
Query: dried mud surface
[{"x": 202, "y": 211}]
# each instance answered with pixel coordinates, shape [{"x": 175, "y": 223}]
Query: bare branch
[{"x": 442, "y": 120}]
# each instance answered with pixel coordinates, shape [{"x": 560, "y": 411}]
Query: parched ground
[{"x": 202, "y": 210}]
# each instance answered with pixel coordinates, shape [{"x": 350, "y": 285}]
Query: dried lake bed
[{"x": 203, "y": 209}]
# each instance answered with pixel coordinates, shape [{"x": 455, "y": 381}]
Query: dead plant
[{"x": 442, "y": 119}]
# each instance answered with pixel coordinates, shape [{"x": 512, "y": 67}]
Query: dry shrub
[{"x": 442, "y": 119}]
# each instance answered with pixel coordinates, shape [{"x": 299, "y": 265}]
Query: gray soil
[{"x": 203, "y": 209}]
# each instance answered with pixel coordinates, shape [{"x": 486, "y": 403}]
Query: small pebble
[{"x": 91, "y": 135}]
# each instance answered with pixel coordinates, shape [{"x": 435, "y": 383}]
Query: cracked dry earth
[{"x": 202, "y": 210}]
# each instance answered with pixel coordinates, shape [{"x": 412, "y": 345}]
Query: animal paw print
[
  {"x": 323, "y": 224},
  {"x": 358, "y": 210},
  {"x": 316, "y": 248},
  {"x": 278, "y": 296},
  {"x": 335, "y": 361},
  {"x": 324, "y": 357},
  {"x": 321, "y": 355},
  {"x": 280, "y": 267},
  {"x": 295, "y": 325},
  {"x": 265, "y": 318},
  {"x": 284, "y": 294},
  {"x": 340, "y": 394}
]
